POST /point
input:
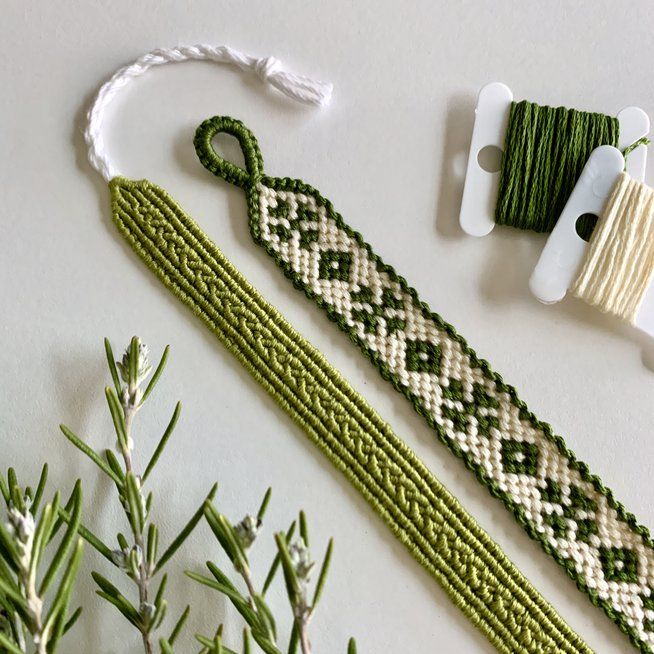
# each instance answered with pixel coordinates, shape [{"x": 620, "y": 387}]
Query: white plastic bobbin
[
  {"x": 565, "y": 250},
  {"x": 477, "y": 216}
]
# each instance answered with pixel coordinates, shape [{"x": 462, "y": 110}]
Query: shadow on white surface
[{"x": 459, "y": 119}]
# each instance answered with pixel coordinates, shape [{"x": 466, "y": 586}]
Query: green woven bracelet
[
  {"x": 480, "y": 418},
  {"x": 422, "y": 514}
]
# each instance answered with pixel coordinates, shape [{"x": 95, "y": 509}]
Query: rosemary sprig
[
  {"x": 137, "y": 555},
  {"x": 294, "y": 558},
  {"x": 34, "y": 597}
]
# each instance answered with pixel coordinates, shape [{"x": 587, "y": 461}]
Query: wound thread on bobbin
[
  {"x": 620, "y": 261},
  {"x": 545, "y": 150}
]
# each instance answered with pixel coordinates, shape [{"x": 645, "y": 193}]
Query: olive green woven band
[{"x": 438, "y": 532}]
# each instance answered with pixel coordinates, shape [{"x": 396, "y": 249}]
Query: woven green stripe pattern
[
  {"x": 421, "y": 513},
  {"x": 545, "y": 150},
  {"x": 479, "y": 417}
]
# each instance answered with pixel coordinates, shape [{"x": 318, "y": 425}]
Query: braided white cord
[{"x": 269, "y": 69}]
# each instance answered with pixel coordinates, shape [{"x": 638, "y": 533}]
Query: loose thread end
[{"x": 644, "y": 140}]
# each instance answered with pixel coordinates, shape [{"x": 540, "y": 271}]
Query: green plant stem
[
  {"x": 247, "y": 578},
  {"x": 303, "y": 614},
  {"x": 130, "y": 407},
  {"x": 34, "y": 602},
  {"x": 305, "y": 645},
  {"x": 35, "y": 605}
]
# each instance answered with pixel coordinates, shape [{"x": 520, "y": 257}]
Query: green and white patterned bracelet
[
  {"x": 421, "y": 513},
  {"x": 479, "y": 417}
]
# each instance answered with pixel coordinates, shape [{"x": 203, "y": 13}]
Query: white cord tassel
[{"x": 269, "y": 70}]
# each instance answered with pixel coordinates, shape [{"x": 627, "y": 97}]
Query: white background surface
[{"x": 389, "y": 153}]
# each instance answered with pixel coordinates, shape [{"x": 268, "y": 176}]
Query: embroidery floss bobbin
[
  {"x": 612, "y": 272},
  {"x": 420, "y": 512},
  {"x": 535, "y": 182}
]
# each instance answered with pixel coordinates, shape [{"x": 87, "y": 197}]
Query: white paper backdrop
[{"x": 389, "y": 153}]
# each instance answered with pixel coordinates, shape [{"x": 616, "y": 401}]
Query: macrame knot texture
[
  {"x": 480, "y": 418},
  {"x": 420, "y": 512}
]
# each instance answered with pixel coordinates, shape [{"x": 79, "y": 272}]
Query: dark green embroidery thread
[
  {"x": 520, "y": 458},
  {"x": 545, "y": 150},
  {"x": 421, "y": 513},
  {"x": 510, "y": 451}
]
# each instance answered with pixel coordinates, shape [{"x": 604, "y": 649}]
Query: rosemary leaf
[
  {"x": 164, "y": 440},
  {"x": 133, "y": 496},
  {"x": 36, "y": 500},
  {"x": 10, "y": 646},
  {"x": 264, "y": 505},
  {"x": 67, "y": 541},
  {"x": 275, "y": 563},
  {"x": 179, "y": 625},
  {"x": 157, "y": 374},
  {"x": 92, "y": 454},
  {"x": 152, "y": 545},
  {"x": 162, "y": 587},
  {"x": 72, "y": 619},
  {"x": 159, "y": 614},
  {"x": 294, "y": 640},
  {"x": 114, "y": 464},
  {"x": 290, "y": 577},
  {"x": 117, "y": 417},
  {"x": 64, "y": 589},
  {"x": 4, "y": 489},
  {"x": 184, "y": 534},
  {"x": 304, "y": 530},
  {"x": 111, "y": 361},
  {"x": 89, "y": 536},
  {"x": 323, "y": 574}
]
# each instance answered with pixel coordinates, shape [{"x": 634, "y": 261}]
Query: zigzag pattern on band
[
  {"x": 480, "y": 418},
  {"x": 422, "y": 514}
]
